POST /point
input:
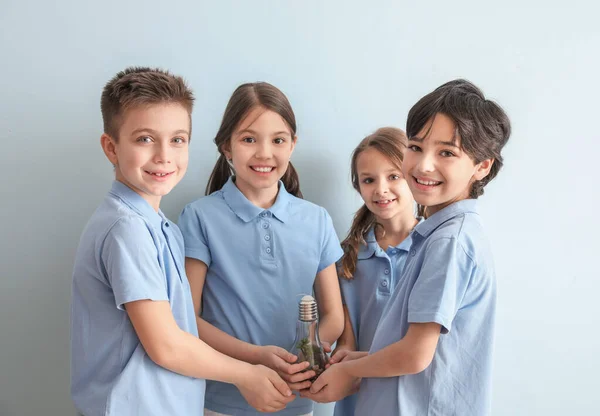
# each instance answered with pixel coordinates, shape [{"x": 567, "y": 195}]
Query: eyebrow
[
  {"x": 154, "y": 132},
  {"x": 420, "y": 140},
  {"x": 370, "y": 174},
  {"x": 277, "y": 133}
]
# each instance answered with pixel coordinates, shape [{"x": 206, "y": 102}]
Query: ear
[
  {"x": 482, "y": 169},
  {"x": 109, "y": 146},
  {"x": 226, "y": 149},
  {"x": 294, "y": 141}
]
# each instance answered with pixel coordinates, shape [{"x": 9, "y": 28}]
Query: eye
[
  {"x": 394, "y": 177},
  {"x": 279, "y": 140},
  {"x": 179, "y": 140},
  {"x": 446, "y": 153},
  {"x": 367, "y": 180},
  {"x": 144, "y": 139},
  {"x": 249, "y": 140},
  {"x": 414, "y": 148}
]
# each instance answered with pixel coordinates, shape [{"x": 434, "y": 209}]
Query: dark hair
[
  {"x": 390, "y": 142},
  {"x": 137, "y": 86},
  {"x": 244, "y": 99},
  {"x": 481, "y": 124}
]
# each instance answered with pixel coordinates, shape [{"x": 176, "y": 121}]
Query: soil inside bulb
[{"x": 314, "y": 355}]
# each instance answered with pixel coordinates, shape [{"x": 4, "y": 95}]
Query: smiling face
[
  {"x": 151, "y": 152},
  {"x": 260, "y": 150},
  {"x": 437, "y": 169},
  {"x": 382, "y": 186}
]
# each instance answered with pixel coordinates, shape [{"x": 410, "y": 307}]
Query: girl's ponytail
[
  {"x": 219, "y": 176},
  {"x": 363, "y": 221},
  {"x": 291, "y": 181}
]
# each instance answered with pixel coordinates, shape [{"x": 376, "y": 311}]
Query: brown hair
[
  {"x": 481, "y": 124},
  {"x": 244, "y": 99},
  {"x": 390, "y": 142},
  {"x": 138, "y": 86}
]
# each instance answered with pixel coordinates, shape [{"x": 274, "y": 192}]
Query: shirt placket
[{"x": 267, "y": 249}]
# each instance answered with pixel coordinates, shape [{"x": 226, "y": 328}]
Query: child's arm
[
  {"x": 271, "y": 356},
  {"x": 346, "y": 341},
  {"x": 411, "y": 355},
  {"x": 329, "y": 299},
  {"x": 176, "y": 350}
]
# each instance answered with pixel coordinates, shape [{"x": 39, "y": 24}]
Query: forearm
[
  {"x": 227, "y": 344},
  {"x": 330, "y": 328},
  {"x": 187, "y": 355},
  {"x": 394, "y": 360}
]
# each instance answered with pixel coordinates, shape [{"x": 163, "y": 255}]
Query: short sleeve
[
  {"x": 331, "y": 250},
  {"x": 130, "y": 258},
  {"x": 195, "y": 242},
  {"x": 442, "y": 284}
]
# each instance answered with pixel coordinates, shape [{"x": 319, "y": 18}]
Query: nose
[
  {"x": 163, "y": 152},
  {"x": 263, "y": 149},
  {"x": 426, "y": 163},
  {"x": 382, "y": 187}
]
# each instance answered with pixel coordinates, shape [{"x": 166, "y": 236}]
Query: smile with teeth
[
  {"x": 262, "y": 169},
  {"x": 427, "y": 183},
  {"x": 159, "y": 174},
  {"x": 384, "y": 201}
]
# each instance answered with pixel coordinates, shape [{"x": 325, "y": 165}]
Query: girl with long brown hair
[
  {"x": 378, "y": 241},
  {"x": 253, "y": 245}
]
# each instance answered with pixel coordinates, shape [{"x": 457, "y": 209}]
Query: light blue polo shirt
[
  {"x": 128, "y": 252},
  {"x": 260, "y": 263},
  {"x": 365, "y": 295},
  {"x": 448, "y": 278}
]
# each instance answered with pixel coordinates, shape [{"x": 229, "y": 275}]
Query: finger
[
  {"x": 298, "y": 377},
  {"x": 296, "y": 368},
  {"x": 318, "y": 385},
  {"x": 303, "y": 385},
  {"x": 316, "y": 397},
  {"x": 326, "y": 346},
  {"x": 338, "y": 356},
  {"x": 280, "y": 385},
  {"x": 280, "y": 365},
  {"x": 286, "y": 356}
]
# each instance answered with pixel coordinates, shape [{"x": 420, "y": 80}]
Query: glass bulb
[{"x": 307, "y": 346}]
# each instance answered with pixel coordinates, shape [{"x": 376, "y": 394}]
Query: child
[
  {"x": 432, "y": 350},
  {"x": 253, "y": 247},
  {"x": 378, "y": 242},
  {"x": 134, "y": 341}
]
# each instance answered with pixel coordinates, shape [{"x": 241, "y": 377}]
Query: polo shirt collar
[
  {"x": 426, "y": 227},
  {"x": 138, "y": 204},
  {"x": 247, "y": 211}
]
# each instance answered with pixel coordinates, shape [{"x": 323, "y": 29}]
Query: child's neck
[
  {"x": 395, "y": 230},
  {"x": 263, "y": 198}
]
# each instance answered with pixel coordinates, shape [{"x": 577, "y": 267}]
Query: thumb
[
  {"x": 318, "y": 385},
  {"x": 326, "y": 346},
  {"x": 286, "y": 356},
  {"x": 279, "y": 384}
]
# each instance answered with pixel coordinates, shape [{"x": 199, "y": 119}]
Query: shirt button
[
  {"x": 265, "y": 225},
  {"x": 387, "y": 271},
  {"x": 166, "y": 224},
  {"x": 384, "y": 283},
  {"x": 268, "y": 250},
  {"x": 263, "y": 214},
  {"x": 413, "y": 252},
  {"x": 267, "y": 237}
]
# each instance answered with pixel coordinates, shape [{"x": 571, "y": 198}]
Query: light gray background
[{"x": 348, "y": 68}]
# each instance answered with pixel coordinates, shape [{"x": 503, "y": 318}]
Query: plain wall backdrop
[{"x": 347, "y": 68}]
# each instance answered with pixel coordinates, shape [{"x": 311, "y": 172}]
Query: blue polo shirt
[
  {"x": 260, "y": 263},
  {"x": 366, "y": 294},
  {"x": 449, "y": 279},
  {"x": 128, "y": 252}
]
